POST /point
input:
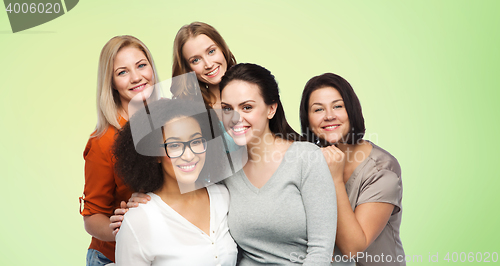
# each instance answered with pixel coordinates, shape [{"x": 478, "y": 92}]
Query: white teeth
[
  {"x": 239, "y": 129},
  {"x": 213, "y": 72},
  {"x": 187, "y": 167},
  {"x": 330, "y": 127},
  {"x": 138, "y": 88}
]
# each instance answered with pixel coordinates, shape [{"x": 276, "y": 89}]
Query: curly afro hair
[{"x": 139, "y": 144}]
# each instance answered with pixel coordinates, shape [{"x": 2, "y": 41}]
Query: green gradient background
[{"x": 423, "y": 70}]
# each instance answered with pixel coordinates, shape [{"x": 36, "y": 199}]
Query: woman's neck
[
  {"x": 346, "y": 148},
  {"x": 355, "y": 154},
  {"x": 123, "y": 109},
  {"x": 267, "y": 149},
  {"x": 170, "y": 192},
  {"x": 214, "y": 89}
]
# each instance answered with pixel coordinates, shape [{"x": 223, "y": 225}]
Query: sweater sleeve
[
  {"x": 320, "y": 203},
  {"x": 100, "y": 182}
]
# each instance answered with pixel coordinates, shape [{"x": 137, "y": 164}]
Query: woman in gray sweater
[{"x": 283, "y": 205}]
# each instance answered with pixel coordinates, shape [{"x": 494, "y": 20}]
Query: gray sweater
[{"x": 292, "y": 219}]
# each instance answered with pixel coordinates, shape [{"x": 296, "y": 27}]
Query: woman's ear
[{"x": 272, "y": 110}]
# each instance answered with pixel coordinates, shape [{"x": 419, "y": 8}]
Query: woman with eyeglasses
[{"x": 185, "y": 222}]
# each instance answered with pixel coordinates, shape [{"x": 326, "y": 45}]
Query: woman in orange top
[{"x": 126, "y": 68}]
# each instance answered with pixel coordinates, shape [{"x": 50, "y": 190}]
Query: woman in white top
[{"x": 167, "y": 152}]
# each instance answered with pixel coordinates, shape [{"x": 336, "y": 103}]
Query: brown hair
[
  {"x": 181, "y": 66},
  {"x": 351, "y": 101}
]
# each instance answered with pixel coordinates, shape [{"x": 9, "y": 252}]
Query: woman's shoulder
[
  {"x": 144, "y": 212},
  {"x": 108, "y": 135},
  {"x": 220, "y": 194},
  {"x": 383, "y": 160},
  {"x": 305, "y": 145},
  {"x": 105, "y": 136},
  {"x": 302, "y": 147},
  {"x": 102, "y": 143},
  {"x": 307, "y": 152},
  {"x": 218, "y": 188}
]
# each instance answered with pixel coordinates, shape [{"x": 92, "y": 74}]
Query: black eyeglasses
[{"x": 176, "y": 149}]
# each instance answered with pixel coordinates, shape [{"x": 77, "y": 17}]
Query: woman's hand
[
  {"x": 116, "y": 220},
  {"x": 335, "y": 159},
  {"x": 135, "y": 199}
]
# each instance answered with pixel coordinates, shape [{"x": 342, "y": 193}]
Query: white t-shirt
[{"x": 155, "y": 234}]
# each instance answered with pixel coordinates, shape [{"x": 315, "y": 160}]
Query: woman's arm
[
  {"x": 97, "y": 225},
  {"x": 99, "y": 189},
  {"x": 355, "y": 230},
  {"x": 318, "y": 195}
]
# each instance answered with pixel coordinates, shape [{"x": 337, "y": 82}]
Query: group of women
[{"x": 291, "y": 202}]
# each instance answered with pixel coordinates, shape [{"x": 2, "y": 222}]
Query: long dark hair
[
  {"x": 351, "y": 101},
  {"x": 269, "y": 90}
]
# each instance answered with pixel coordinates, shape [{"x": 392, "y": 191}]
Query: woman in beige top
[{"x": 367, "y": 178}]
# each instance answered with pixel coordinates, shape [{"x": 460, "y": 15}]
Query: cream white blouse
[{"x": 155, "y": 234}]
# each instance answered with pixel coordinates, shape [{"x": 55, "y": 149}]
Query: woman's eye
[
  {"x": 194, "y": 61},
  {"x": 173, "y": 145},
  {"x": 142, "y": 65},
  {"x": 121, "y": 73},
  {"x": 196, "y": 142},
  {"x": 337, "y": 106},
  {"x": 211, "y": 51},
  {"x": 318, "y": 110},
  {"x": 226, "y": 109},
  {"x": 247, "y": 107}
]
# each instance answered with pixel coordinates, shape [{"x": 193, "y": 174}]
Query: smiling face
[
  {"x": 205, "y": 58},
  {"x": 327, "y": 115},
  {"x": 186, "y": 168},
  {"x": 132, "y": 73},
  {"x": 245, "y": 114}
]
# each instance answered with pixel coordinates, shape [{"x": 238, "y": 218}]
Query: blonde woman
[{"x": 126, "y": 68}]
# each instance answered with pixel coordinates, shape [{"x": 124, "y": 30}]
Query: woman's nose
[
  {"x": 236, "y": 118},
  {"x": 208, "y": 63},
  {"x": 188, "y": 155},
  {"x": 329, "y": 115},
  {"x": 135, "y": 76}
]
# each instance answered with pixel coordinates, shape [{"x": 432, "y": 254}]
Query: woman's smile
[{"x": 188, "y": 167}]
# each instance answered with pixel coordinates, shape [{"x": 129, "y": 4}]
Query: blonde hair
[
  {"x": 108, "y": 99},
  {"x": 181, "y": 66}
]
